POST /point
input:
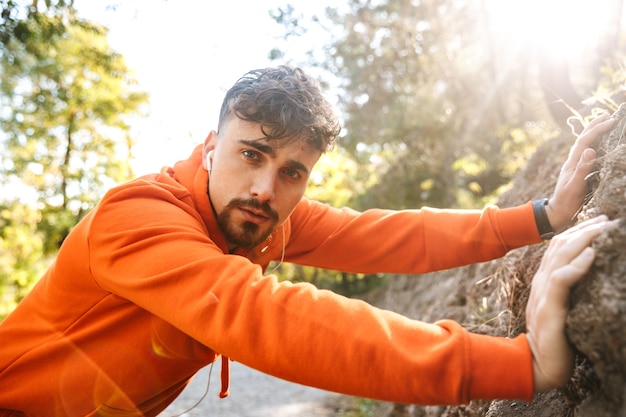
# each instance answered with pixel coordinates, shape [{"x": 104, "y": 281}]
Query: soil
[{"x": 490, "y": 298}]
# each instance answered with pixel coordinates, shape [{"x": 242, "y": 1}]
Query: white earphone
[{"x": 208, "y": 160}]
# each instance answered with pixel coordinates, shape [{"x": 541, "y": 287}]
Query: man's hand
[
  {"x": 571, "y": 186},
  {"x": 568, "y": 257}
]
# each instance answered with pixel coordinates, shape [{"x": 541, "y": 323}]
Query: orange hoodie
[{"x": 143, "y": 294}]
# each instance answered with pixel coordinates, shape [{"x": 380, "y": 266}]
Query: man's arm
[{"x": 566, "y": 261}]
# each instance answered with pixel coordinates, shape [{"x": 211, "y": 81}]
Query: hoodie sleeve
[
  {"x": 148, "y": 245},
  {"x": 407, "y": 241}
]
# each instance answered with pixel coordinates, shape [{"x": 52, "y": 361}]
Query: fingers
[
  {"x": 564, "y": 278},
  {"x": 597, "y": 120},
  {"x": 556, "y": 264},
  {"x": 571, "y": 186},
  {"x": 564, "y": 263},
  {"x": 571, "y": 273},
  {"x": 584, "y": 167},
  {"x": 589, "y": 228},
  {"x": 587, "y": 157},
  {"x": 597, "y": 126},
  {"x": 569, "y": 244}
]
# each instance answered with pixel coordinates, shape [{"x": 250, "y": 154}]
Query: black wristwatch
[{"x": 541, "y": 218}]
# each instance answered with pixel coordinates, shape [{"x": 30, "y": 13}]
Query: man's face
[{"x": 255, "y": 183}]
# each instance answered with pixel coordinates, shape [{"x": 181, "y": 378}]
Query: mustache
[{"x": 253, "y": 204}]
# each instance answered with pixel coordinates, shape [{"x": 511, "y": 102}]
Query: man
[{"x": 167, "y": 274}]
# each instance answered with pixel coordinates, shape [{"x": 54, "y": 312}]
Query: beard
[{"x": 247, "y": 234}]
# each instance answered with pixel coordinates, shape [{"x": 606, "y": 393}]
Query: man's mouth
[
  {"x": 253, "y": 215},
  {"x": 252, "y": 211}
]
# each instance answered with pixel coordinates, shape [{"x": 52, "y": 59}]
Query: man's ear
[{"x": 207, "y": 149}]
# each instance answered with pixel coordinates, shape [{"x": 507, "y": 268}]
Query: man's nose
[{"x": 264, "y": 185}]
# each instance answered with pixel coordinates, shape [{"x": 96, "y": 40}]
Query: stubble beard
[{"x": 245, "y": 235}]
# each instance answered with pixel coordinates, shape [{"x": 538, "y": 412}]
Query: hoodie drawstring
[{"x": 225, "y": 377}]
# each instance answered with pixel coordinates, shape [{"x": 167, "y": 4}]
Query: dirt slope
[{"x": 490, "y": 298}]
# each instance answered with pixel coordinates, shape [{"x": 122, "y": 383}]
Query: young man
[{"x": 167, "y": 274}]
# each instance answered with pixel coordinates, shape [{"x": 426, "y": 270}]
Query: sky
[{"x": 186, "y": 54}]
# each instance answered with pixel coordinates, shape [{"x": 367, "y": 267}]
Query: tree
[
  {"x": 21, "y": 253},
  {"x": 66, "y": 97},
  {"x": 447, "y": 107},
  {"x": 15, "y": 27},
  {"x": 416, "y": 93},
  {"x": 65, "y": 101}
]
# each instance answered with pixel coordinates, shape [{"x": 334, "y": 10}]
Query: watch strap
[{"x": 541, "y": 219}]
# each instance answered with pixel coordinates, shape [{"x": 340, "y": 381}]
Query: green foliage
[
  {"x": 431, "y": 96},
  {"x": 65, "y": 102},
  {"x": 21, "y": 254},
  {"x": 339, "y": 282},
  {"x": 337, "y": 179},
  {"x": 418, "y": 92},
  {"x": 610, "y": 91},
  {"x": 15, "y": 27},
  {"x": 66, "y": 97}
]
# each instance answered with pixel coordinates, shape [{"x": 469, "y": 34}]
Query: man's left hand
[{"x": 571, "y": 187}]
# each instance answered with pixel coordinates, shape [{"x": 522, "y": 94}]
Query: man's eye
[
  {"x": 292, "y": 173},
  {"x": 251, "y": 154}
]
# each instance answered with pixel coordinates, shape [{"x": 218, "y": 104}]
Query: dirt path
[{"x": 252, "y": 394}]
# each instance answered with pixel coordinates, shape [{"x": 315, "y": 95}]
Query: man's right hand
[{"x": 566, "y": 260}]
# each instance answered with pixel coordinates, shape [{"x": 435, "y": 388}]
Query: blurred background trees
[
  {"x": 442, "y": 102},
  {"x": 65, "y": 97},
  {"x": 445, "y": 98}
]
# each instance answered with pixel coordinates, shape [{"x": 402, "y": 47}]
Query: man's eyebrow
[
  {"x": 259, "y": 146},
  {"x": 297, "y": 165},
  {"x": 267, "y": 149}
]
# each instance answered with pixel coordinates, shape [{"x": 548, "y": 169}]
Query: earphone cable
[
  {"x": 282, "y": 256},
  {"x": 206, "y": 391}
]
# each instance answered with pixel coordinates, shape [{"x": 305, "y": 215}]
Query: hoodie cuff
[
  {"x": 500, "y": 368},
  {"x": 518, "y": 225}
]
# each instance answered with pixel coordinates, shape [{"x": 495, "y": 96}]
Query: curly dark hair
[{"x": 287, "y": 103}]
